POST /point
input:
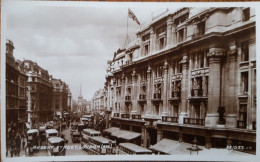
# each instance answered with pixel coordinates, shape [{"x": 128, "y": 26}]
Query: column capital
[
  {"x": 184, "y": 60},
  {"x": 123, "y": 77},
  {"x": 134, "y": 75},
  {"x": 216, "y": 52},
  {"x": 165, "y": 66},
  {"x": 169, "y": 20},
  {"x": 232, "y": 49},
  {"x": 149, "y": 70},
  {"x": 151, "y": 31}
]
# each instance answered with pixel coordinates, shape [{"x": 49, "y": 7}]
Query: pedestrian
[
  {"x": 23, "y": 140},
  {"x": 18, "y": 143},
  {"x": 12, "y": 147}
]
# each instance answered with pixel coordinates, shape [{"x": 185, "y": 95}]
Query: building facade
[
  {"x": 39, "y": 93},
  {"x": 61, "y": 97},
  {"x": 98, "y": 101},
  {"x": 16, "y": 104},
  {"x": 190, "y": 73}
]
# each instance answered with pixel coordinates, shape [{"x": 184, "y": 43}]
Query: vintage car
[
  {"x": 75, "y": 137},
  {"x": 32, "y": 141},
  {"x": 80, "y": 127},
  {"x": 73, "y": 128},
  {"x": 42, "y": 133},
  {"x": 56, "y": 146}
]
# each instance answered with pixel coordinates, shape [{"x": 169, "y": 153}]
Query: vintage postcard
[{"x": 128, "y": 81}]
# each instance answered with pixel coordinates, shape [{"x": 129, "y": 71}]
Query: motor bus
[
  {"x": 100, "y": 146},
  {"x": 132, "y": 149},
  {"x": 86, "y": 134},
  {"x": 56, "y": 146}
]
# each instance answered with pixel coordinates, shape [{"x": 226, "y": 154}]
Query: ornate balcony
[
  {"x": 172, "y": 119},
  {"x": 127, "y": 116},
  {"x": 142, "y": 99},
  {"x": 194, "y": 121},
  {"x": 156, "y": 98},
  {"x": 116, "y": 115},
  {"x": 196, "y": 92},
  {"x": 241, "y": 124},
  {"x": 127, "y": 99},
  {"x": 136, "y": 116}
]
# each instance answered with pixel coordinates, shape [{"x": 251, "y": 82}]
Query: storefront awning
[
  {"x": 111, "y": 130},
  {"x": 126, "y": 135},
  {"x": 170, "y": 147}
]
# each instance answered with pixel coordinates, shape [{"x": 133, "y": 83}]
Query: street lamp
[{"x": 60, "y": 125}]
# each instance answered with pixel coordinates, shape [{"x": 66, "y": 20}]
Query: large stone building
[
  {"x": 15, "y": 89},
  {"x": 32, "y": 95},
  {"x": 190, "y": 73},
  {"x": 98, "y": 101},
  {"x": 61, "y": 97},
  {"x": 39, "y": 93}
]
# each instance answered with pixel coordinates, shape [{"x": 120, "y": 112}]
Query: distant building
[
  {"x": 16, "y": 105},
  {"x": 61, "y": 97},
  {"x": 98, "y": 101}
]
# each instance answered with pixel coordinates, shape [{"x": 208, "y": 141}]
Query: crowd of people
[{"x": 15, "y": 140}]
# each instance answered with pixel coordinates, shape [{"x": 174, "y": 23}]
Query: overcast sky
[{"x": 72, "y": 43}]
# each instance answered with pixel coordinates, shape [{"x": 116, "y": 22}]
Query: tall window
[
  {"x": 159, "y": 71},
  {"x": 146, "y": 49},
  {"x": 146, "y": 40},
  {"x": 144, "y": 75},
  {"x": 179, "y": 66},
  {"x": 244, "y": 51},
  {"x": 162, "y": 37},
  {"x": 201, "y": 59},
  {"x": 244, "y": 82},
  {"x": 181, "y": 35},
  {"x": 175, "y": 110},
  {"x": 201, "y": 28}
]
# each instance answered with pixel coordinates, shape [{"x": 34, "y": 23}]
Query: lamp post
[{"x": 60, "y": 125}]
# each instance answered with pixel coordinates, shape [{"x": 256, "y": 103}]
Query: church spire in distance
[{"x": 80, "y": 94}]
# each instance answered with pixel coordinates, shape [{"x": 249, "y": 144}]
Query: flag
[{"x": 132, "y": 16}]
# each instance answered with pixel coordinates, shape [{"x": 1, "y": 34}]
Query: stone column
[
  {"x": 144, "y": 137},
  {"x": 214, "y": 87},
  {"x": 232, "y": 84},
  {"x": 134, "y": 92},
  {"x": 152, "y": 42},
  {"x": 207, "y": 142},
  {"x": 165, "y": 88},
  {"x": 122, "y": 105},
  {"x": 159, "y": 135},
  {"x": 180, "y": 137},
  {"x": 174, "y": 35},
  {"x": 169, "y": 31},
  {"x": 184, "y": 87},
  {"x": 185, "y": 33},
  {"x": 149, "y": 92}
]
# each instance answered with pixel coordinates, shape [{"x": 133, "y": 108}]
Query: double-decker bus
[
  {"x": 132, "y": 149},
  {"x": 101, "y": 146},
  {"x": 86, "y": 134}
]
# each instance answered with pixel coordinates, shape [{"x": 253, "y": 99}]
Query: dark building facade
[
  {"x": 39, "y": 93},
  {"x": 16, "y": 104},
  {"x": 190, "y": 73}
]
